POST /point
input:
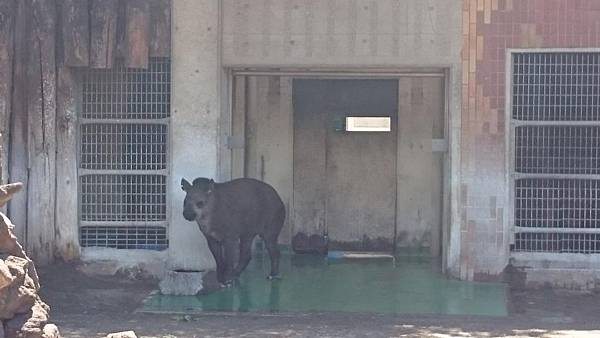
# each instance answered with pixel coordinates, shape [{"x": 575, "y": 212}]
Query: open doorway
[{"x": 376, "y": 190}]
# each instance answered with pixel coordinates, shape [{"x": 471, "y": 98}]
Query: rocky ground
[{"x": 88, "y": 307}]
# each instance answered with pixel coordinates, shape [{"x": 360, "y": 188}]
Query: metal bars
[
  {"x": 128, "y": 93},
  {"x": 556, "y": 156},
  {"x": 152, "y": 238},
  {"x": 556, "y": 86},
  {"x": 123, "y": 146},
  {"x": 557, "y": 149},
  {"x": 123, "y": 156}
]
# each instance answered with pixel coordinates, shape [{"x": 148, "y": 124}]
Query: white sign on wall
[{"x": 368, "y": 123}]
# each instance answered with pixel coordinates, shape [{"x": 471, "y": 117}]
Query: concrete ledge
[
  {"x": 134, "y": 263},
  {"x": 574, "y": 279}
]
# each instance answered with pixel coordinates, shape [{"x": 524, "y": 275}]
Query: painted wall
[{"x": 489, "y": 28}]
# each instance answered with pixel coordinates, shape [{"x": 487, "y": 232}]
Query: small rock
[
  {"x": 7, "y": 190},
  {"x": 124, "y": 334},
  {"x": 51, "y": 331}
]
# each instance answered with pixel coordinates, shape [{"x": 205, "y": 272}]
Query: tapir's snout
[{"x": 189, "y": 215}]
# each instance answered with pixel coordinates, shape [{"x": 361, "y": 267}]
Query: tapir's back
[{"x": 247, "y": 205}]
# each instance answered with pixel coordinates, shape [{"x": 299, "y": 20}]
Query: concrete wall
[
  {"x": 341, "y": 32},
  {"x": 336, "y": 33},
  {"x": 354, "y": 34},
  {"x": 196, "y": 100}
]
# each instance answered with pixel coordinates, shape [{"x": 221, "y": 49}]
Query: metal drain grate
[
  {"x": 123, "y": 159},
  {"x": 555, "y": 129},
  {"x": 149, "y": 238}
]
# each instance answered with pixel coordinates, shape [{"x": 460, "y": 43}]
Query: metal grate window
[
  {"x": 153, "y": 238},
  {"x": 123, "y": 156},
  {"x": 124, "y": 146},
  {"x": 555, "y": 131},
  {"x": 557, "y": 149},
  {"x": 556, "y": 86}
]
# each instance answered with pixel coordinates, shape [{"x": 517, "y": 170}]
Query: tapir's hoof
[
  {"x": 275, "y": 277},
  {"x": 229, "y": 283}
]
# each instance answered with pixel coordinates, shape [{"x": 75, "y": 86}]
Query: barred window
[
  {"x": 555, "y": 133},
  {"x": 123, "y": 156}
]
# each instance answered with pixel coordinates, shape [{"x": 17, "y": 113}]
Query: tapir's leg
[
  {"x": 245, "y": 255},
  {"x": 270, "y": 237},
  {"x": 217, "y": 251},
  {"x": 273, "y": 250},
  {"x": 229, "y": 258}
]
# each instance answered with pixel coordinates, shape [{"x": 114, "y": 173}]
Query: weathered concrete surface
[
  {"x": 136, "y": 263},
  {"x": 194, "y": 120},
  {"x": 358, "y": 32},
  {"x": 181, "y": 283},
  {"x": 357, "y": 35}
]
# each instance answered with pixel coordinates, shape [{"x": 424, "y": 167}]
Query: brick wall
[{"x": 489, "y": 28}]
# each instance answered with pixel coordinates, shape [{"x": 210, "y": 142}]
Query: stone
[
  {"x": 50, "y": 331},
  {"x": 9, "y": 246},
  {"x": 124, "y": 334},
  {"x": 7, "y": 190},
  {"x": 181, "y": 283},
  {"x": 6, "y": 278},
  {"x": 20, "y": 295}
]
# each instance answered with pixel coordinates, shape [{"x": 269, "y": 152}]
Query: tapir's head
[{"x": 198, "y": 196}]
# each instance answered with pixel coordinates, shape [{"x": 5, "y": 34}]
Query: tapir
[{"x": 231, "y": 215}]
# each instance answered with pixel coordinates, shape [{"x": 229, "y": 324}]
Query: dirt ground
[{"x": 84, "y": 306}]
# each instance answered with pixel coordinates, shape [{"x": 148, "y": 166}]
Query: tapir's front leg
[
  {"x": 217, "y": 251},
  {"x": 230, "y": 246}
]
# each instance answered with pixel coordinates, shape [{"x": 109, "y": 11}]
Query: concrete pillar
[{"x": 195, "y": 111}]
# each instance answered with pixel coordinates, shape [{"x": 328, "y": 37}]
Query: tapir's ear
[
  {"x": 211, "y": 185},
  {"x": 185, "y": 185}
]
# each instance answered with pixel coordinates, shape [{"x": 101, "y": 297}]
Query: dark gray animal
[{"x": 231, "y": 214}]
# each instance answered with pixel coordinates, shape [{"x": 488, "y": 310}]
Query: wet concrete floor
[{"x": 410, "y": 285}]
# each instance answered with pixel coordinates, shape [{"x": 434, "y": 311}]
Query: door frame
[{"x": 451, "y": 156}]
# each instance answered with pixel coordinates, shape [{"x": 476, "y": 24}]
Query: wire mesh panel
[
  {"x": 128, "y": 93},
  {"x": 556, "y": 163},
  {"x": 556, "y": 86},
  {"x": 123, "y": 146},
  {"x": 557, "y": 203},
  {"x": 123, "y": 156},
  {"x": 123, "y": 197},
  {"x": 557, "y": 149},
  {"x": 557, "y": 242},
  {"x": 153, "y": 238}
]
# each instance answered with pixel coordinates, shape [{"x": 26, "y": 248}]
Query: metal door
[{"x": 346, "y": 180}]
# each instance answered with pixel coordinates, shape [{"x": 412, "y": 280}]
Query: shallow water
[{"x": 410, "y": 285}]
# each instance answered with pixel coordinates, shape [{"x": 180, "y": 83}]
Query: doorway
[{"x": 347, "y": 190}]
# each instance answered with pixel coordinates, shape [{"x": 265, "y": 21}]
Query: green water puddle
[{"x": 411, "y": 285}]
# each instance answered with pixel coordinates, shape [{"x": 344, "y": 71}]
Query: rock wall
[{"x": 22, "y": 311}]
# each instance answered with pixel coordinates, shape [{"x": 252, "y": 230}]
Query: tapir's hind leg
[
  {"x": 270, "y": 237},
  {"x": 245, "y": 255}
]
